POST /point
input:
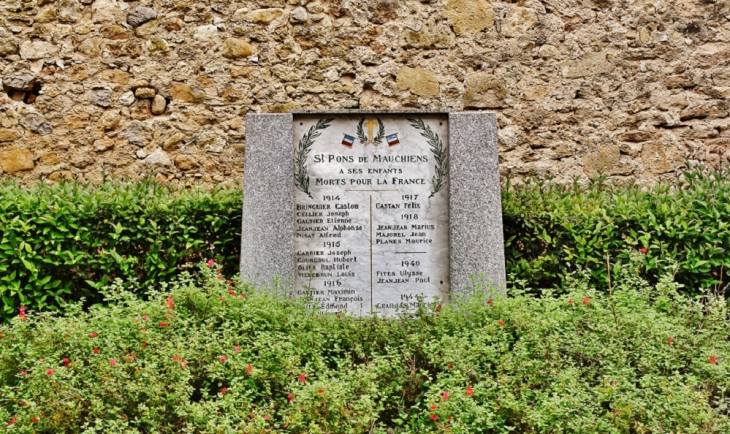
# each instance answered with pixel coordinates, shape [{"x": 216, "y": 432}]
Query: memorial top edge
[{"x": 348, "y": 111}]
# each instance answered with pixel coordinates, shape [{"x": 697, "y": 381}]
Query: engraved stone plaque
[{"x": 371, "y": 211}]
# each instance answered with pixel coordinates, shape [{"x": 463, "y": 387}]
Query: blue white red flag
[
  {"x": 348, "y": 141},
  {"x": 392, "y": 139}
]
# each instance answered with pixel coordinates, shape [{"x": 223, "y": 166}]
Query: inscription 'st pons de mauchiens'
[{"x": 371, "y": 211}]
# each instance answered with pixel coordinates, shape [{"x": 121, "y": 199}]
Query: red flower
[
  {"x": 449, "y": 367},
  {"x": 570, "y": 300},
  {"x": 65, "y": 362},
  {"x": 243, "y": 295},
  {"x": 490, "y": 302},
  {"x": 146, "y": 317},
  {"x": 433, "y": 407},
  {"x": 670, "y": 340},
  {"x": 302, "y": 378},
  {"x": 12, "y": 421},
  {"x": 713, "y": 360},
  {"x": 175, "y": 358},
  {"x": 163, "y": 324},
  {"x": 112, "y": 362},
  {"x": 93, "y": 335},
  {"x": 586, "y": 300},
  {"x": 500, "y": 322},
  {"x": 22, "y": 313},
  {"x": 339, "y": 315},
  {"x": 248, "y": 369},
  {"x": 50, "y": 372},
  {"x": 643, "y": 250},
  {"x": 236, "y": 349},
  {"x": 445, "y": 396},
  {"x": 222, "y": 359},
  {"x": 22, "y": 373},
  {"x": 469, "y": 391},
  {"x": 144, "y": 344},
  {"x": 96, "y": 351},
  {"x": 170, "y": 303},
  {"x": 252, "y": 416},
  {"x": 35, "y": 420},
  {"x": 290, "y": 397},
  {"x": 223, "y": 391},
  {"x": 266, "y": 417},
  {"x": 434, "y": 417},
  {"x": 210, "y": 263},
  {"x": 320, "y": 390}
]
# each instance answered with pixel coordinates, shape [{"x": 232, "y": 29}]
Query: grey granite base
[
  {"x": 267, "y": 245},
  {"x": 477, "y": 238}
]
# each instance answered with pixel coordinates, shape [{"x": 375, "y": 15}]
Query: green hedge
[
  {"x": 62, "y": 242},
  {"x": 203, "y": 358},
  {"x": 552, "y": 230}
]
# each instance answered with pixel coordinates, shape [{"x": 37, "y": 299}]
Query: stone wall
[{"x": 632, "y": 89}]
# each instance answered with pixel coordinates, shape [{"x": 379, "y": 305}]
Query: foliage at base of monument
[
  {"x": 220, "y": 357},
  {"x": 62, "y": 242},
  {"x": 551, "y": 229}
]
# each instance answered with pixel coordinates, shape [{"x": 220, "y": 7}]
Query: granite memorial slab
[{"x": 372, "y": 212}]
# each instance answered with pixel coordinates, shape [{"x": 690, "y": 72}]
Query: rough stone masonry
[{"x": 631, "y": 89}]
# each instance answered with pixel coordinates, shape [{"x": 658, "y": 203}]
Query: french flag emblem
[
  {"x": 348, "y": 141},
  {"x": 392, "y": 139}
]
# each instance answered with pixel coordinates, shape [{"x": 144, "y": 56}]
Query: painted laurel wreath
[
  {"x": 439, "y": 152},
  {"x": 301, "y": 178}
]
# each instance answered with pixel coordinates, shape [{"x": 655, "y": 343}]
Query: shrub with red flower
[
  {"x": 469, "y": 391},
  {"x": 586, "y": 300},
  {"x": 12, "y": 421},
  {"x": 290, "y": 397},
  {"x": 66, "y": 362},
  {"x": 50, "y": 372},
  {"x": 302, "y": 378},
  {"x": 434, "y": 417},
  {"x": 222, "y": 359},
  {"x": 95, "y": 351},
  {"x": 170, "y": 302},
  {"x": 211, "y": 263},
  {"x": 643, "y": 250},
  {"x": 163, "y": 324},
  {"x": 223, "y": 391},
  {"x": 112, "y": 362},
  {"x": 670, "y": 340},
  {"x": 93, "y": 335},
  {"x": 713, "y": 360},
  {"x": 445, "y": 396}
]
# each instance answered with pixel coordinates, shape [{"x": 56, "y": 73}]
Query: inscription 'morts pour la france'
[{"x": 371, "y": 214}]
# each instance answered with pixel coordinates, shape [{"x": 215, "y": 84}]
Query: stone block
[
  {"x": 236, "y": 48},
  {"x": 185, "y": 93},
  {"x": 158, "y": 105},
  {"x": 8, "y": 135},
  {"x": 418, "y": 81},
  {"x": 140, "y": 15},
  {"x": 484, "y": 90},
  {"x": 16, "y": 159},
  {"x": 469, "y": 17},
  {"x": 591, "y": 64}
]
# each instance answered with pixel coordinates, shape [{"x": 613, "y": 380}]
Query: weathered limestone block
[
  {"x": 16, "y": 159},
  {"x": 34, "y": 50},
  {"x": 19, "y": 81},
  {"x": 430, "y": 36},
  {"x": 591, "y": 64},
  {"x": 157, "y": 45},
  {"x": 103, "y": 145},
  {"x": 173, "y": 142},
  {"x": 144, "y": 92},
  {"x": 114, "y": 32},
  {"x": 110, "y": 120},
  {"x": 635, "y": 136},
  {"x": 8, "y": 44},
  {"x": 186, "y": 93},
  {"x": 69, "y": 11},
  {"x": 484, "y": 91},
  {"x": 106, "y": 11},
  {"x": 604, "y": 161},
  {"x": 115, "y": 76},
  {"x": 518, "y": 21},
  {"x": 101, "y": 96},
  {"x": 46, "y": 15},
  {"x": 298, "y": 16},
  {"x": 8, "y": 135},
  {"x": 36, "y": 123},
  {"x": 206, "y": 33},
  {"x": 469, "y": 17},
  {"x": 418, "y": 81},
  {"x": 127, "y": 99},
  {"x": 236, "y": 48},
  {"x": 157, "y": 158},
  {"x": 263, "y": 16},
  {"x": 185, "y": 162},
  {"x": 140, "y": 15},
  {"x": 90, "y": 46},
  {"x": 158, "y": 105},
  {"x": 49, "y": 159},
  {"x": 660, "y": 158}
]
